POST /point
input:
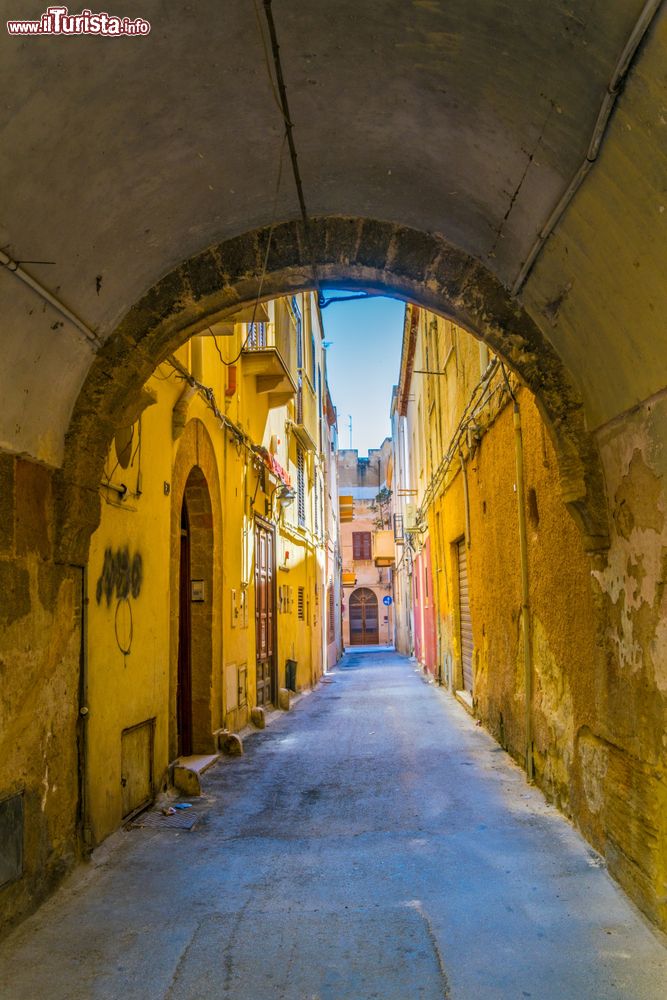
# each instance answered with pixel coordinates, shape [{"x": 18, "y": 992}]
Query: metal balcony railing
[{"x": 267, "y": 354}]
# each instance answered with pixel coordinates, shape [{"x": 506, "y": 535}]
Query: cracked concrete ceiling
[{"x": 122, "y": 157}]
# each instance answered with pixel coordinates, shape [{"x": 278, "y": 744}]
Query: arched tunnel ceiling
[{"x": 120, "y": 158}]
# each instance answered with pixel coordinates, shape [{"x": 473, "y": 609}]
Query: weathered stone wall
[
  {"x": 624, "y": 762},
  {"x": 40, "y": 640},
  {"x": 597, "y": 631}
]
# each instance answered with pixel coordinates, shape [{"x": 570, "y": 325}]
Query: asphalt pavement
[{"x": 371, "y": 843}]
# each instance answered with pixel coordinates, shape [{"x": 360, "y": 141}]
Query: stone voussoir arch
[
  {"x": 195, "y": 457},
  {"x": 346, "y": 252}
]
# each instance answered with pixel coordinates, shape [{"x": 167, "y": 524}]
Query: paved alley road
[{"x": 374, "y": 843}]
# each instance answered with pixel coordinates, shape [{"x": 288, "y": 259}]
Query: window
[
  {"x": 331, "y": 612},
  {"x": 316, "y": 502},
  {"x": 300, "y": 604},
  {"x": 361, "y": 545},
  {"x": 300, "y": 487},
  {"x": 299, "y": 337}
]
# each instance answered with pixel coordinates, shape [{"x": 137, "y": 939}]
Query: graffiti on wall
[{"x": 121, "y": 575}]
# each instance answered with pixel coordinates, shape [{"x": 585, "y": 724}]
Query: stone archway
[
  {"x": 348, "y": 252},
  {"x": 195, "y": 489}
]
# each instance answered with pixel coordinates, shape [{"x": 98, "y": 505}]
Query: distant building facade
[{"x": 367, "y": 546}]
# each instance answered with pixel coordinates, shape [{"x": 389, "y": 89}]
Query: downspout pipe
[
  {"x": 179, "y": 414},
  {"x": 85, "y": 837},
  {"x": 466, "y": 497},
  {"x": 525, "y": 593}
]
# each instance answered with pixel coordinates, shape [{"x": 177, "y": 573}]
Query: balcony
[
  {"x": 306, "y": 417},
  {"x": 349, "y": 578},
  {"x": 346, "y": 508},
  {"x": 267, "y": 355},
  {"x": 384, "y": 553}
]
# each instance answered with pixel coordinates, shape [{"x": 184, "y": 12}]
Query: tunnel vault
[{"x": 346, "y": 252}]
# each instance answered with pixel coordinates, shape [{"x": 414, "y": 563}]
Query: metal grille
[
  {"x": 316, "y": 506},
  {"x": 256, "y": 338},
  {"x": 464, "y": 617},
  {"x": 331, "y": 611},
  {"x": 300, "y": 604},
  {"x": 300, "y": 487}
]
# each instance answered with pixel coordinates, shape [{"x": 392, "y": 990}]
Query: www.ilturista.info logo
[{"x": 58, "y": 21}]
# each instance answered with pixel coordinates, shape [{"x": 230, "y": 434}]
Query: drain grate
[{"x": 186, "y": 819}]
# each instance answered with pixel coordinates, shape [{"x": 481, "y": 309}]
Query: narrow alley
[{"x": 372, "y": 842}]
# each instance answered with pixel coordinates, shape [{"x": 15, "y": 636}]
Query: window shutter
[{"x": 361, "y": 545}]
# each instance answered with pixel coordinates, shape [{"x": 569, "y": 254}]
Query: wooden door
[
  {"x": 264, "y": 612},
  {"x": 136, "y": 767},
  {"x": 364, "y": 620},
  {"x": 184, "y": 685},
  {"x": 464, "y": 618}
]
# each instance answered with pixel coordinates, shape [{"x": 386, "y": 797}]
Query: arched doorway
[
  {"x": 364, "y": 619},
  {"x": 195, "y": 619}
]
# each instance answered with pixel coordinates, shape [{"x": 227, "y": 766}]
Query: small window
[
  {"x": 300, "y": 487},
  {"x": 361, "y": 546}
]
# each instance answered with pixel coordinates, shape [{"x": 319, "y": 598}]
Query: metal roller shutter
[{"x": 464, "y": 618}]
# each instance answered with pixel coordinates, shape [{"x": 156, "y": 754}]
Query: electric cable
[{"x": 264, "y": 264}]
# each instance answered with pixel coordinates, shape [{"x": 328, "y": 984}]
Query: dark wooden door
[
  {"x": 184, "y": 684},
  {"x": 364, "y": 622},
  {"x": 264, "y": 612}
]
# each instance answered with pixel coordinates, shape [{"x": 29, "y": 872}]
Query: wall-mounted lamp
[{"x": 285, "y": 495}]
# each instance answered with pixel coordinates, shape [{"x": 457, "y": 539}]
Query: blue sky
[{"x": 363, "y": 364}]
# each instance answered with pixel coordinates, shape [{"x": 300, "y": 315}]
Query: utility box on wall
[{"x": 11, "y": 839}]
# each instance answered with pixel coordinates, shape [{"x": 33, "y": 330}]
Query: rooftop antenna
[{"x": 350, "y": 431}]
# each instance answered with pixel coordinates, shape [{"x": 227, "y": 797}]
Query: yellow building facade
[
  {"x": 211, "y": 572},
  {"x": 490, "y": 561}
]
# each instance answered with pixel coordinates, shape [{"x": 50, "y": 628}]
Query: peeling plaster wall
[
  {"x": 40, "y": 639},
  {"x": 630, "y": 590},
  {"x": 598, "y": 627}
]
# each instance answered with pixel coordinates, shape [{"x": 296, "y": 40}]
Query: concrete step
[{"x": 187, "y": 772}]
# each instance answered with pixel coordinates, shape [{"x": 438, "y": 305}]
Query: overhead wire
[
  {"x": 265, "y": 262},
  {"x": 289, "y": 131}
]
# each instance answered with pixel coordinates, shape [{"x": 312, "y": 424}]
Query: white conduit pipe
[
  {"x": 15, "y": 268},
  {"x": 613, "y": 89}
]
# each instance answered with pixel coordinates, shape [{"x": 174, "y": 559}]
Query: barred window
[
  {"x": 316, "y": 506},
  {"x": 300, "y": 487},
  {"x": 331, "y": 611}
]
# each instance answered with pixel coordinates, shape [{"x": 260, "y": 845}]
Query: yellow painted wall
[
  {"x": 125, "y": 689},
  {"x": 598, "y": 701}
]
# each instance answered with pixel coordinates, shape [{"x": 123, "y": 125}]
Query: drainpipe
[
  {"x": 525, "y": 593},
  {"x": 179, "y": 414},
  {"x": 84, "y": 824},
  {"x": 466, "y": 497}
]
